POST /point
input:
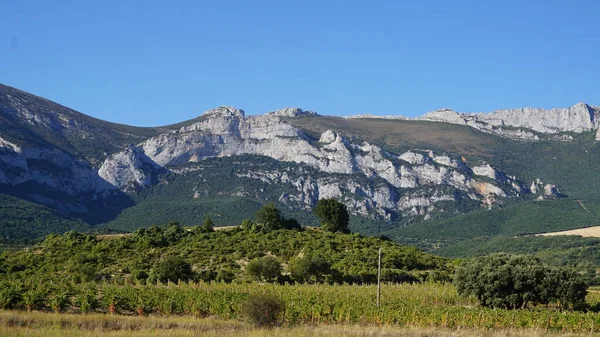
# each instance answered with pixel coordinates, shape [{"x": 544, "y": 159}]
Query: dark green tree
[
  {"x": 208, "y": 225},
  {"x": 266, "y": 269},
  {"x": 173, "y": 269},
  {"x": 333, "y": 215},
  {"x": 507, "y": 281},
  {"x": 270, "y": 217},
  {"x": 309, "y": 269},
  {"x": 566, "y": 287}
]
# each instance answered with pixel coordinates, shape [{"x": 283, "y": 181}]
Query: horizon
[
  {"x": 317, "y": 112},
  {"x": 154, "y": 64}
]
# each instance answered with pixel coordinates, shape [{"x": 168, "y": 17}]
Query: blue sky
[{"x": 159, "y": 62}]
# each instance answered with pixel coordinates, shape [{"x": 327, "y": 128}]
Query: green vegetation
[
  {"x": 264, "y": 269},
  {"x": 311, "y": 269},
  {"x": 333, "y": 215},
  {"x": 506, "y": 281},
  {"x": 22, "y": 221},
  {"x": 270, "y": 217},
  {"x": 415, "y": 305},
  {"x": 263, "y": 310},
  {"x": 515, "y": 218},
  {"x": 582, "y": 254},
  {"x": 219, "y": 255}
]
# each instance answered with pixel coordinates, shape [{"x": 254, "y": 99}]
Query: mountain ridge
[{"x": 402, "y": 171}]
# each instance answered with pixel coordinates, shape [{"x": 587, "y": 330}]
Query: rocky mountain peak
[
  {"x": 444, "y": 115},
  {"x": 225, "y": 111},
  {"x": 292, "y": 112}
]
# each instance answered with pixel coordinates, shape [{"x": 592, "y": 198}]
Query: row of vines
[{"x": 417, "y": 305}]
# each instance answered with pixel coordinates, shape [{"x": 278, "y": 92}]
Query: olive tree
[
  {"x": 266, "y": 269},
  {"x": 507, "y": 281}
]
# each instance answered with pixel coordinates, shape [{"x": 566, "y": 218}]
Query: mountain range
[{"x": 433, "y": 180}]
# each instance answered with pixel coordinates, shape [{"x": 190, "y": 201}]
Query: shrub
[
  {"x": 506, "y": 281},
  {"x": 309, "y": 269},
  {"x": 266, "y": 269},
  {"x": 263, "y": 310},
  {"x": 174, "y": 269}
]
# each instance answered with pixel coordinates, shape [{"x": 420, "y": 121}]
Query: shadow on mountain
[{"x": 90, "y": 208}]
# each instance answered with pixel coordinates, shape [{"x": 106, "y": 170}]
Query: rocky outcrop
[
  {"x": 228, "y": 132},
  {"x": 49, "y": 167},
  {"x": 129, "y": 169},
  {"x": 292, "y": 112},
  {"x": 523, "y": 124},
  {"x": 551, "y": 192}
]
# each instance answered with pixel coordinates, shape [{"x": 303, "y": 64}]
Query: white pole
[{"x": 379, "y": 279}]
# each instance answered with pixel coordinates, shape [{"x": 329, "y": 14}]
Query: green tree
[
  {"x": 270, "y": 217},
  {"x": 208, "y": 225},
  {"x": 309, "y": 269},
  {"x": 173, "y": 269},
  {"x": 566, "y": 287},
  {"x": 507, "y": 281},
  {"x": 266, "y": 269},
  {"x": 333, "y": 215}
]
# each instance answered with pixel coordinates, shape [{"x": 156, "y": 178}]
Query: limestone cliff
[{"x": 226, "y": 131}]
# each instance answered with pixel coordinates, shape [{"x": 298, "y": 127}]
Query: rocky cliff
[
  {"x": 45, "y": 146},
  {"x": 525, "y": 123},
  {"x": 412, "y": 182}
]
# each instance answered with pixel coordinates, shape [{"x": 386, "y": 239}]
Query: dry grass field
[
  {"x": 36, "y": 324},
  {"x": 590, "y": 232}
]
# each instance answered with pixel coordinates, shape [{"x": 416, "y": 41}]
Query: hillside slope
[
  {"x": 410, "y": 179},
  {"x": 220, "y": 255}
]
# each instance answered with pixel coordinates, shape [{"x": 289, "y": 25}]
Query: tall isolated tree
[
  {"x": 333, "y": 215},
  {"x": 270, "y": 217},
  {"x": 208, "y": 225}
]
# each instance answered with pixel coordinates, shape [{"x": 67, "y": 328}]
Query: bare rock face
[
  {"x": 521, "y": 124},
  {"x": 128, "y": 169},
  {"x": 292, "y": 112},
  {"x": 444, "y": 115},
  {"x": 578, "y": 118},
  {"x": 50, "y": 167},
  {"x": 551, "y": 192},
  {"x": 228, "y": 132}
]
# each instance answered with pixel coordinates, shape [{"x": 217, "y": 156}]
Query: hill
[{"x": 219, "y": 255}]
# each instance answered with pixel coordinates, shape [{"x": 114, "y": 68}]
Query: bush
[
  {"x": 174, "y": 269},
  {"x": 309, "y": 269},
  {"x": 266, "y": 269},
  {"x": 263, "y": 310},
  {"x": 506, "y": 281}
]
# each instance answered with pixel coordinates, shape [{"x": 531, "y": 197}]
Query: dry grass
[
  {"x": 54, "y": 325},
  {"x": 402, "y": 134},
  {"x": 111, "y": 236},
  {"x": 589, "y": 232}
]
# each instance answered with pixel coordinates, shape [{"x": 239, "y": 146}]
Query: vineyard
[{"x": 408, "y": 305}]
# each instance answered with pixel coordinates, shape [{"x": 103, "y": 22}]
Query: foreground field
[
  {"x": 23, "y": 324},
  {"x": 419, "y": 306}
]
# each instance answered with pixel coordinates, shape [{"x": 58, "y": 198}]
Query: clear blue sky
[{"x": 160, "y": 62}]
